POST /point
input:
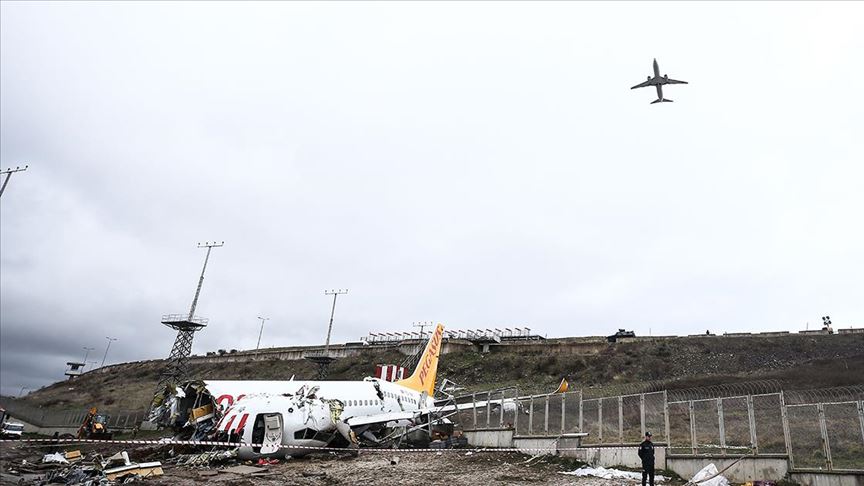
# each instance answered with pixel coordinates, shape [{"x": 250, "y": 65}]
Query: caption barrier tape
[{"x": 551, "y": 448}]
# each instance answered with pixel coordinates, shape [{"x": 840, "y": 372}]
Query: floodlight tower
[
  {"x": 324, "y": 359},
  {"x": 186, "y": 325}
]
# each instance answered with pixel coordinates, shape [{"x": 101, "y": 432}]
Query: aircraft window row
[{"x": 363, "y": 403}]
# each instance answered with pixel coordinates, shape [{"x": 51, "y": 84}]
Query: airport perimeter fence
[
  {"x": 71, "y": 418},
  {"x": 816, "y": 429}
]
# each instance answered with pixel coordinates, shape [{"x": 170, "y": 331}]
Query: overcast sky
[{"x": 477, "y": 164}]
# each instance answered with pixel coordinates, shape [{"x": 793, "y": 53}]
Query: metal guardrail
[{"x": 816, "y": 429}]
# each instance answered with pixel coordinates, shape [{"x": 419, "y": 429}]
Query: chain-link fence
[{"x": 823, "y": 435}]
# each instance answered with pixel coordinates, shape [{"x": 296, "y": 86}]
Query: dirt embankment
[{"x": 801, "y": 362}]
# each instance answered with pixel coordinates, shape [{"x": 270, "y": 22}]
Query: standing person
[{"x": 646, "y": 453}]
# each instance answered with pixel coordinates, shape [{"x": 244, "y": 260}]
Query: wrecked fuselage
[{"x": 289, "y": 417}]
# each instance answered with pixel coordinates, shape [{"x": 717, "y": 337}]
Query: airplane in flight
[
  {"x": 279, "y": 418},
  {"x": 658, "y": 81}
]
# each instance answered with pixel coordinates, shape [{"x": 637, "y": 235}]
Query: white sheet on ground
[
  {"x": 55, "y": 457},
  {"x": 707, "y": 472},
  {"x": 602, "y": 472}
]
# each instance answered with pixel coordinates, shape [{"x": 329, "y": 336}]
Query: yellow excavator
[{"x": 95, "y": 426}]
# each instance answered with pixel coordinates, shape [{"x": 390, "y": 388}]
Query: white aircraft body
[{"x": 293, "y": 417}]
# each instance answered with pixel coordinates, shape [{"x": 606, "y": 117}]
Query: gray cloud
[{"x": 474, "y": 164}]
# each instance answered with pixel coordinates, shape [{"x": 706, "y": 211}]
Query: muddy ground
[{"x": 452, "y": 467}]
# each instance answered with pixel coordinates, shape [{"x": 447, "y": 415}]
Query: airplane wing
[
  {"x": 674, "y": 81},
  {"x": 383, "y": 418},
  {"x": 643, "y": 84}
]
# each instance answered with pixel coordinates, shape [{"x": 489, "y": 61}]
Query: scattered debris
[
  {"x": 54, "y": 457},
  {"x": 709, "y": 476},
  {"x": 72, "y": 456},
  {"x": 394, "y": 460},
  {"x": 611, "y": 473},
  {"x": 143, "y": 470},
  {"x": 241, "y": 469}
]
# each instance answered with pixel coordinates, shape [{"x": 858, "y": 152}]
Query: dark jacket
[{"x": 646, "y": 453}]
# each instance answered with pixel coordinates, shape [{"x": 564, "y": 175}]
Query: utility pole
[
  {"x": 334, "y": 293},
  {"x": 422, "y": 325},
  {"x": 412, "y": 360},
  {"x": 261, "y": 331},
  {"x": 323, "y": 358},
  {"x": 106, "y": 349},
  {"x": 86, "y": 353},
  {"x": 9, "y": 173}
]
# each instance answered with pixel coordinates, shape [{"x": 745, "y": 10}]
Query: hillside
[{"x": 800, "y": 362}]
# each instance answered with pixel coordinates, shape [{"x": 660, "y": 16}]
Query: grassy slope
[{"x": 800, "y": 362}]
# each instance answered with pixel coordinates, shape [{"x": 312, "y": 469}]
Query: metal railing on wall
[{"x": 816, "y": 429}]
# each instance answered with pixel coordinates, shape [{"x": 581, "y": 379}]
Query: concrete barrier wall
[
  {"x": 827, "y": 479},
  {"x": 609, "y": 456},
  {"x": 490, "y": 438},
  {"x": 536, "y": 445},
  {"x": 747, "y": 469}
]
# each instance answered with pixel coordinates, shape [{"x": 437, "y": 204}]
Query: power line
[{"x": 9, "y": 173}]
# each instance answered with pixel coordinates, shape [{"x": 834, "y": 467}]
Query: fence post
[
  {"x": 666, "y": 419},
  {"x": 516, "y": 416},
  {"x": 786, "y": 437},
  {"x": 488, "y": 409},
  {"x": 692, "y": 428},
  {"x": 474, "y": 408},
  {"x": 600, "y": 419},
  {"x": 861, "y": 418},
  {"x": 642, "y": 414},
  {"x": 751, "y": 418},
  {"x": 546, "y": 416},
  {"x": 823, "y": 429},
  {"x": 620, "y": 419},
  {"x": 721, "y": 426},
  {"x": 531, "y": 415},
  {"x": 563, "y": 414},
  {"x": 580, "y": 415}
]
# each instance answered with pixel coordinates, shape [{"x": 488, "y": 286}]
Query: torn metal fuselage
[{"x": 288, "y": 418}]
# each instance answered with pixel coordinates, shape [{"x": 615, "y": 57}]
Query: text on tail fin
[{"x": 423, "y": 378}]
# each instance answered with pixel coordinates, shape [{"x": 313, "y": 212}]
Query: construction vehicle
[
  {"x": 95, "y": 426},
  {"x": 9, "y": 430}
]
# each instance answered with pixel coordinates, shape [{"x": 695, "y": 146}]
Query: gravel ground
[{"x": 369, "y": 468}]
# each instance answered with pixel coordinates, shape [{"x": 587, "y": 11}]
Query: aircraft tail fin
[
  {"x": 664, "y": 100},
  {"x": 423, "y": 378}
]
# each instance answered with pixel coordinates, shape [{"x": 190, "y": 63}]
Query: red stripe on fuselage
[{"x": 230, "y": 421}]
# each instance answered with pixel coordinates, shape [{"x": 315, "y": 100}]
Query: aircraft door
[
  {"x": 272, "y": 433},
  {"x": 267, "y": 431}
]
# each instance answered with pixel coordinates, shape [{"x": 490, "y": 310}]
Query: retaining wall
[
  {"x": 827, "y": 479},
  {"x": 751, "y": 468}
]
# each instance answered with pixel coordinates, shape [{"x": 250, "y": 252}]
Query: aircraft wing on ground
[
  {"x": 674, "y": 81},
  {"x": 383, "y": 418},
  {"x": 643, "y": 84}
]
